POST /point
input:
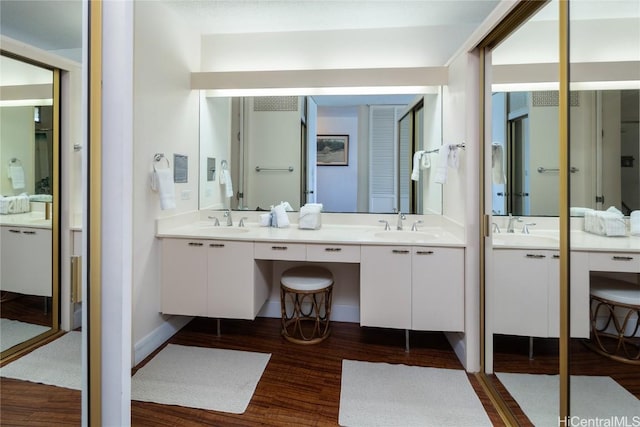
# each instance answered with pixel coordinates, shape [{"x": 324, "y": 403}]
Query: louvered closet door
[{"x": 383, "y": 158}]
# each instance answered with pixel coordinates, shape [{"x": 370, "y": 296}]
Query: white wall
[
  {"x": 339, "y": 121},
  {"x": 215, "y": 134},
  {"x": 431, "y": 191},
  {"x": 166, "y": 121},
  {"x": 17, "y": 135}
]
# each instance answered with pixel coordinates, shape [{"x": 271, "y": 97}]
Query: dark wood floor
[
  {"x": 26, "y": 308},
  {"x": 301, "y": 384}
]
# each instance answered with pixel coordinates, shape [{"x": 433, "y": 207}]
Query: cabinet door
[
  {"x": 580, "y": 322},
  {"x": 385, "y": 286},
  {"x": 230, "y": 280},
  {"x": 520, "y": 292},
  {"x": 184, "y": 277},
  {"x": 437, "y": 289},
  {"x": 26, "y": 261}
]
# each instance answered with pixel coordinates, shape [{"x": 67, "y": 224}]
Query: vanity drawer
[
  {"x": 614, "y": 261},
  {"x": 280, "y": 251},
  {"x": 333, "y": 253}
]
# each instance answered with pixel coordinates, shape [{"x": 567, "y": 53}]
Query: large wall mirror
[
  {"x": 522, "y": 283},
  {"x": 28, "y": 203},
  {"x": 274, "y": 149}
]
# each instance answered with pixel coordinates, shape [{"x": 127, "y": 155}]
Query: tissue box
[
  {"x": 310, "y": 218},
  {"x": 604, "y": 223}
]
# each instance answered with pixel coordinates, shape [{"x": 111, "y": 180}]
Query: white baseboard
[
  {"x": 339, "y": 313},
  {"x": 158, "y": 336}
]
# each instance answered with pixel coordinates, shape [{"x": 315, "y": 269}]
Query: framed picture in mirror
[{"x": 333, "y": 150}]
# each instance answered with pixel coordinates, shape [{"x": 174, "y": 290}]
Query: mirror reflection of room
[
  {"x": 26, "y": 196},
  {"x": 272, "y": 153}
]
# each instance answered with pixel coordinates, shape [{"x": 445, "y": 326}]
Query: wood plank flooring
[{"x": 301, "y": 384}]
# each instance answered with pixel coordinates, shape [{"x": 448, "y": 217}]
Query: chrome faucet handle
[
  {"x": 216, "y": 221},
  {"x": 495, "y": 227},
  {"x": 241, "y": 223},
  {"x": 525, "y": 227},
  {"x": 414, "y": 227},
  {"x": 386, "y": 224}
]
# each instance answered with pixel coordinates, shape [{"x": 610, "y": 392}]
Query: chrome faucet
[
  {"x": 241, "y": 223},
  {"x": 227, "y": 214},
  {"x": 414, "y": 227},
  {"x": 401, "y": 216},
  {"x": 386, "y": 224},
  {"x": 216, "y": 221},
  {"x": 511, "y": 223},
  {"x": 495, "y": 228},
  {"x": 525, "y": 227}
]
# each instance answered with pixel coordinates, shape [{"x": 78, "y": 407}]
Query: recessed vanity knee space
[{"x": 405, "y": 280}]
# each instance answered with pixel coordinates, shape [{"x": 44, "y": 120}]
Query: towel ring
[
  {"x": 15, "y": 161},
  {"x": 158, "y": 157}
]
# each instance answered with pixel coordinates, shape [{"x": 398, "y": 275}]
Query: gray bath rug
[
  {"x": 382, "y": 394},
  {"x": 205, "y": 378},
  {"x": 14, "y": 332}
]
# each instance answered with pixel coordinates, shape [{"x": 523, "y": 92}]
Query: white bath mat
[
  {"x": 591, "y": 398},
  {"x": 57, "y": 363},
  {"x": 381, "y": 394},
  {"x": 14, "y": 332},
  {"x": 206, "y": 378}
]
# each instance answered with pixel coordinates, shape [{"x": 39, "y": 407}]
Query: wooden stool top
[{"x": 307, "y": 278}]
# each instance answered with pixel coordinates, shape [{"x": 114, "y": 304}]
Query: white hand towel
[
  {"x": 165, "y": 187},
  {"x": 425, "y": 161},
  {"x": 16, "y": 174},
  {"x": 453, "y": 159},
  {"x": 225, "y": 179},
  {"x": 497, "y": 163},
  {"x": 415, "y": 173},
  {"x": 440, "y": 176}
]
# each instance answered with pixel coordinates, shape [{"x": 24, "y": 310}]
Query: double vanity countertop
[
  {"x": 34, "y": 219},
  {"x": 366, "y": 229}
]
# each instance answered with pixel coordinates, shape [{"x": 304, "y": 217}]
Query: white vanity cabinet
[
  {"x": 184, "y": 277},
  {"x": 25, "y": 257},
  {"x": 385, "y": 286},
  {"x": 212, "y": 278},
  {"x": 437, "y": 298},
  {"x": 526, "y": 293},
  {"x": 411, "y": 287}
]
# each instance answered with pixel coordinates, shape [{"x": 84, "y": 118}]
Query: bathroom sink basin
[
  {"x": 407, "y": 236},
  {"x": 525, "y": 240}
]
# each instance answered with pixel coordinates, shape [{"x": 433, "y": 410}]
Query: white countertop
[
  {"x": 579, "y": 241},
  {"x": 33, "y": 219}
]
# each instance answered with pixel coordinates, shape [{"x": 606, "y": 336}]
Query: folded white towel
[
  {"x": 310, "y": 218},
  {"x": 440, "y": 176},
  {"x": 497, "y": 163},
  {"x": 265, "y": 220},
  {"x": 634, "y": 223},
  {"x": 16, "y": 174},
  {"x": 604, "y": 223},
  {"x": 578, "y": 211},
  {"x": 164, "y": 186},
  {"x": 282, "y": 219},
  {"x": 225, "y": 179},
  {"x": 415, "y": 173}
]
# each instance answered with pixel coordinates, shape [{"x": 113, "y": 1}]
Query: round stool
[
  {"x": 305, "y": 303},
  {"x": 618, "y": 304}
]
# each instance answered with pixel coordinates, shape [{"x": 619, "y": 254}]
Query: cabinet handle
[
  {"x": 279, "y": 248},
  {"x": 29, "y": 232},
  {"x": 622, "y": 258},
  {"x": 400, "y": 251},
  {"x": 332, "y": 249},
  {"x": 14, "y": 231},
  {"x": 216, "y": 245},
  {"x": 556, "y": 256},
  {"x": 535, "y": 256},
  {"x": 195, "y": 244},
  {"x": 424, "y": 252}
]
